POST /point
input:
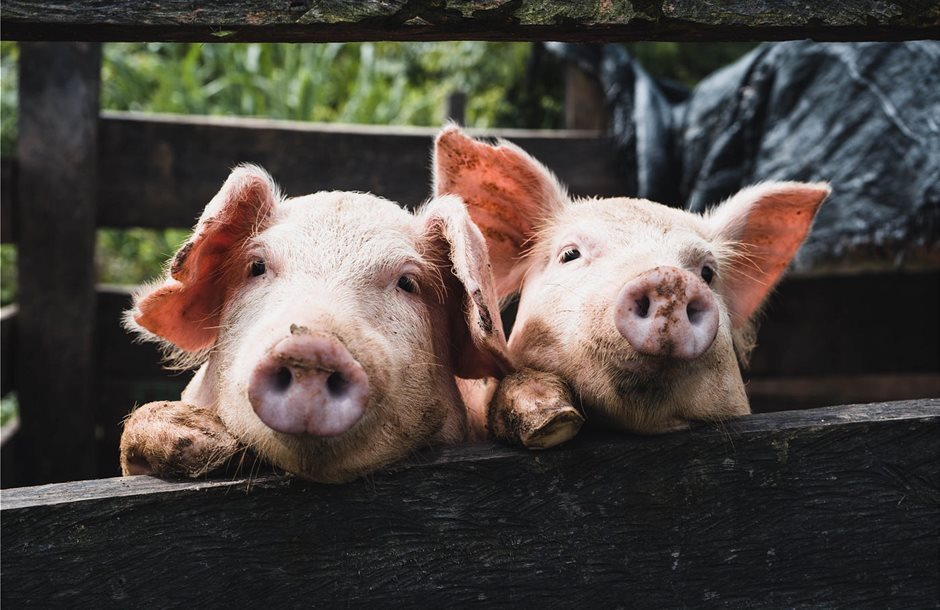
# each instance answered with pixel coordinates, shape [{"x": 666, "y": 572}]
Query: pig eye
[
  {"x": 708, "y": 274},
  {"x": 257, "y": 268},
  {"x": 570, "y": 254},
  {"x": 407, "y": 284}
]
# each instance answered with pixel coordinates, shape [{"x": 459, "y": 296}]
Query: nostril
[
  {"x": 694, "y": 313},
  {"x": 283, "y": 379},
  {"x": 643, "y": 306},
  {"x": 336, "y": 384}
]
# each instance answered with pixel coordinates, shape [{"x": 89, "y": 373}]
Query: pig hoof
[
  {"x": 561, "y": 427},
  {"x": 174, "y": 439}
]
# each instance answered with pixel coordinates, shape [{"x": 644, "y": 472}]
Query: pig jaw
[{"x": 623, "y": 389}]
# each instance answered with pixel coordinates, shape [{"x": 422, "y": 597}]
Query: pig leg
[
  {"x": 175, "y": 439},
  {"x": 533, "y": 408}
]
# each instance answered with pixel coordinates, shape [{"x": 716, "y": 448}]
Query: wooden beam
[
  {"x": 341, "y": 20},
  {"x": 813, "y": 508},
  {"x": 57, "y": 182},
  {"x": 836, "y": 325},
  {"x": 7, "y": 200},
  {"x": 7, "y": 341},
  {"x": 161, "y": 170}
]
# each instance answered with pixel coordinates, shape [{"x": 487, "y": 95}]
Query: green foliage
[
  {"x": 134, "y": 255},
  {"x": 8, "y": 408},
  {"x": 7, "y": 274},
  {"x": 369, "y": 82},
  {"x": 9, "y": 53}
]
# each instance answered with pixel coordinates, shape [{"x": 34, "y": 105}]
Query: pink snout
[
  {"x": 669, "y": 312},
  {"x": 309, "y": 384}
]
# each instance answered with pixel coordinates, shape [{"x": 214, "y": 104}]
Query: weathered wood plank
[
  {"x": 161, "y": 170},
  {"x": 342, "y": 20},
  {"x": 836, "y": 325},
  {"x": 7, "y": 199},
  {"x": 57, "y": 182},
  {"x": 7, "y": 341},
  {"x": 813, "y": 508}
]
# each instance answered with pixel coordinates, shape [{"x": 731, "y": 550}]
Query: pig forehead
[
  {"x": 627, "y": 218},
  {"x": 344, "y": 217}
]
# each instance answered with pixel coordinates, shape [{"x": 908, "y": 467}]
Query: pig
[
  {"x": 328, "y": 331},
  {"x": 641, "y": 314}
]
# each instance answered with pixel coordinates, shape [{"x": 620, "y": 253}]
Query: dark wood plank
[
  {"x": 7, "y": 342},
  {"x": 57, "y": 183},
  {"x": 813, "y": 508},
  {"x": 344, "y": 20},
  {"x": 7, "y": 199},
  {"x": 161, "y": 170},
  {"x": 851, "y": 324}
]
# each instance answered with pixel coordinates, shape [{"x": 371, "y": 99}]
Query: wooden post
[
  {"x": 57, "y": 184},
  {"x": 585, "y": 107},
  {"x": 456, "y": 107}
]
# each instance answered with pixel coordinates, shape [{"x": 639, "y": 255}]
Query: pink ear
[
  {"x": 478, "y": 344},
  {"x": 765, "y": 226},
  {"x": 185, "y": 309},
  {"x": 507, "y": 192}
]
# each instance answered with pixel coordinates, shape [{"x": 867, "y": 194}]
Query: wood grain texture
[
  {"x": 57, "y": 183},
  {"x": 349, "y": 20},
  {"x": 813, "y": 508}
]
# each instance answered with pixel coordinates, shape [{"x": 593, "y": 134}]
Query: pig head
[
  {"x": 328, "y": 329},
  {"x": 645, "y": 311}
]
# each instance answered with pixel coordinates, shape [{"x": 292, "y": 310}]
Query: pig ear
[
  {"x": 478, "y": 344},
  {"x": 508, "y": 194},
  {"x": 764, "y": 226},
  {"x": 185, "y": 308}
]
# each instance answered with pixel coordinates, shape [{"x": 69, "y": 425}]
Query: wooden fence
[{"x": 823, "y": 507}]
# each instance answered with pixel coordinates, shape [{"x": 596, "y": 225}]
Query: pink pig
[
  {"x": 640, "y": 312},
  {"x": 327, "y": 331}
]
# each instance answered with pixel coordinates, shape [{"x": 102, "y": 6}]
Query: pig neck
[
  {"x": 476, "y": 394},
  {"x": 201, "y": 389}
]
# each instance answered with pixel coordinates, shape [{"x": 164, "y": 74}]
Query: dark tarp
[{"x": 863, "y": 116}]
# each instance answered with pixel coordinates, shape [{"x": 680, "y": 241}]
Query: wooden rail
[
  {"x": 830, "y": 507},
  {"x": 595, "y": 20},
  {"x": 159, "y": 171}
]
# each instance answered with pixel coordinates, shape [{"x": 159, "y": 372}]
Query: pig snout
[
  {"x": 309, "y": 384},
  {"x": 669, "y": 312}
]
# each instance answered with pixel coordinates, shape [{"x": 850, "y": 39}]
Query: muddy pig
[
  {"x": 327, "y": 331},
  {"x": 639, "y": 312}
]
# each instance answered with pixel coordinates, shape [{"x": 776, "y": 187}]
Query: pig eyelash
[
  {"x": 407, "y": 284},
  {"x": 708, "y": 274},
  {"x": 256, "y": 268},
  {"x": 569, "y": 254}
]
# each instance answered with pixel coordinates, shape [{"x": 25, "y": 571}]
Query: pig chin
[{"x": 653, "y": 395}]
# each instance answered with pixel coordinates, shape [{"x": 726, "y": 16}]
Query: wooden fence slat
[
  {"x": 815, "y": 508},
  {"x": 7, "y": 199},
  {"x": 596, "y": 20},
  {"x": 57, "y": 182},
  {"x": 161, "y": 170},
  {"x": 7, "y": 341}
]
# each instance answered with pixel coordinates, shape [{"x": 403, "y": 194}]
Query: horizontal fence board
[
  {"x": 836, "y": 325},
  {"x": 160, "y": 171},
  {"x": 813, "y": 508},
  {"x": 340, "y": 20}
]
